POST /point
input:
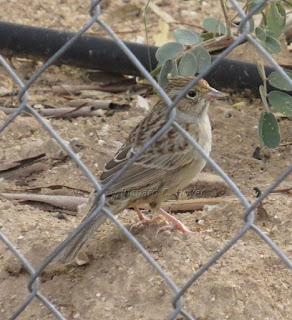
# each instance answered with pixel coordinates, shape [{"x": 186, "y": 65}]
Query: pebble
[
  {"x": 82, "y": 259},
  {"x": 201, "y": 222},
  {"x": 281, "y": 306},
  {"x": 209, "y": 207},
  {"x": 142, "y": 103},
  {"x": 101, "y": 142},
  {"x": 104, "y": 130}
]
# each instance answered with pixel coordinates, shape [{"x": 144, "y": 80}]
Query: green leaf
[
  {"x": 263, "y": 96},
  {"x": 213, "y": 25},
  {"x": 276, "y": 18},
  {"x": 271, "y": 45},
  {"x": 169, "y": 51},
  {"x": 254, "y": 3},
  {"x": 271, "y": 33},
  {"x": 203, "y": 58},
  {"x": 164, "y": 72},
  {"x": 260, "y": 33},
  {"x": 261, "y": 71},
  {"x": 187, "y": 65},
  {"x": 174, "y": 70},
  {"x": 277, "y": 81},
  {"x": 281, "y": 101},
  {"x": 209, "y": 35},
  {"x": 269, "y": 130},
  {"x": 187, "y": 37}
]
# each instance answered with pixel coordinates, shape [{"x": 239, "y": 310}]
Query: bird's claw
[
  {"x": 177, "y": 225},
  {"x": 145, "y": 220}
]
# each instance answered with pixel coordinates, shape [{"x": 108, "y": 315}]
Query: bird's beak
[{"x": 214, "y": 94}]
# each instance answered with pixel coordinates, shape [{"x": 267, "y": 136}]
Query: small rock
[
  {"x": 101, "y": 143},
  {"x": 142, "y": 103},
  {"x": 81, "y": 259},
  {"x": 209, "y": 207},
  {"x": 61, "y": 216},
  {"x": 14, "y": 267},
  {"x": 104, "y": 130}
]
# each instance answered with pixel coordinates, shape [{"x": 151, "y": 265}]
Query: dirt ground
[{"x": 248, "y": 282}]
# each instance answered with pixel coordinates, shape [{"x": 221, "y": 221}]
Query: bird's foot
[
  {"x": 143, "y": 219},
  {"x": 176, "y": 224}
]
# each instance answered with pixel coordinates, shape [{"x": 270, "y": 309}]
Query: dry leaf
[{"x": 161, "y": 37}]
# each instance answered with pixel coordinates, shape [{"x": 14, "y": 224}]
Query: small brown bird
[{"x": 168, "y": 165}]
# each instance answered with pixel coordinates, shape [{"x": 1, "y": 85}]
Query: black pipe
[
  {"x": 88, "y": 51},
  {"x": 103, "y": 54}
]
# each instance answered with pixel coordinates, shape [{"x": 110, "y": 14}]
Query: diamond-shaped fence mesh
[{"x": 34, "y": 284}]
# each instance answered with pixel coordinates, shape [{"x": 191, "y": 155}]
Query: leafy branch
[{"x": 188, "y": 56}]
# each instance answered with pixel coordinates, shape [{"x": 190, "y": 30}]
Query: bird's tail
[{"x": 74, "y": 246}]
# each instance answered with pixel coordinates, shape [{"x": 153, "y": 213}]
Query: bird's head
[{"x": 197, "y": 99}]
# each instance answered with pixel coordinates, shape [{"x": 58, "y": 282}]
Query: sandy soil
[{"x": 249, "y": 282}]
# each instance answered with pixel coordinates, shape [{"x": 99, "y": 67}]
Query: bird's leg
[
  {"x": 176, "y": 224},
  {"x": 143, "y": 219}
]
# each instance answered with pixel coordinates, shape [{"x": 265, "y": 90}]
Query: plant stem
[
  {"x": 223, "y": 6},
  {"x": 265, "y": 86},
  {"x": 146, "y": 32}
]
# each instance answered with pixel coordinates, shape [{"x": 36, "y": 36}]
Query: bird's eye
[{"x": 192, "y": 94}]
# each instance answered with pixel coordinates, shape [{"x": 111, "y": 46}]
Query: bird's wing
[{"x": 151, "y": 167}]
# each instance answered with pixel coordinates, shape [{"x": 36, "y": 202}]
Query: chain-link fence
[{"x": 178, "y": 305}]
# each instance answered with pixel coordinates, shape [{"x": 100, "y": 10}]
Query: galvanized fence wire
[{"x": 248, "y": 216}]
